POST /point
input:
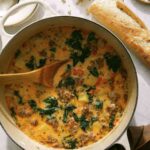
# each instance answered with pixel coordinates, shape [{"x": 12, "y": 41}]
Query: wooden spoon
[{"x": 42, "y": 75}]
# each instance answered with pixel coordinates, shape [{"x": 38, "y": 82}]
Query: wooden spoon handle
[
  {"x": 42, "y": 75},
  {"x": 18, "y": 77}
]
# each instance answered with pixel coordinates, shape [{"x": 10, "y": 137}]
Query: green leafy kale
[
  {"x": 93, "y": 119},
  {"x": 98, "y": 104},
  {"x": 51, "y": 101},
  {"x": 42, "y": 62},
  {"x": 72, "y": 143},
  {"x": 12, "y": 112},
  {"x": 67, "y": 82},
  {"x": 91, "y": 37},
  {"x": 90, "y": 97},
  {"x": 17, "y": 53},
  {"x": 31, "y": 63},
  {"x": 79, "y": 51},
  {"x": 32, "y": 104},
  {"x": 69, "y": 142},
  {"x": 47, "y": 111},
  {"x": 20, "y": 99},
  {"x": 111, "y": 121},
  {"x": 75, "y": 57},
  {"x": 75, "y": 40},
  {"x": 80, "y": 56},
  {"x": 76, "y": 118},
  {"x": 88, "y": 89},
  {"x": 94, "y": 71},
  {"x": 113, "y": 61},
  {"x": 53, "y": 49},
  {"x": 51, "y": 106},
  {"x": 67, "y": 110},
  {"x": 84, "y": 124},
  {"x": 85, "y": 53},
  {"x": 68, "y": 67}
]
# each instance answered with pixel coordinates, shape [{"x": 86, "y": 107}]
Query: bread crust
[{"x": 127, "y": 26}]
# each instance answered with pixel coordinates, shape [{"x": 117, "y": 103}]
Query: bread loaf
[{"x": 117, "y": 17}]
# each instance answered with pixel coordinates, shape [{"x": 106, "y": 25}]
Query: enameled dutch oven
[{"x": 11, "y": 42}]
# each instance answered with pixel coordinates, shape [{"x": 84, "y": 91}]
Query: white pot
[{"x": 11, "y": 42}]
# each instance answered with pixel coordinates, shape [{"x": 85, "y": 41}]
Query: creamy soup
[{"x": 89, "y": 94}]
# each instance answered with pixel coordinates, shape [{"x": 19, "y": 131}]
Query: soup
[{"x": 89, "y": 93}]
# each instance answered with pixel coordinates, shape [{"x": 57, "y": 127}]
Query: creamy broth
[{"x": 89, "y": 94}]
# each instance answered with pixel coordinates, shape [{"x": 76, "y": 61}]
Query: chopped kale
[
  {"x": 69, "y": 142},
  {"x": 70, "y": 108},
  {"x": 32, "y": 104},
  {"x": 51, "y": 101},
  {"x": 111, "y": 121},
  {"x": 67, "y": 110},
  {"x": 47, "y": 111},
  {"x": 76, "y": 118},
  {"x": 42, "y": 62},
  {"x": 113, "y": 61},
  {"x": 89, "y": 87},
  {"x": 12, "y": 112},
  {"x": 51, "y": 106},
  {"x": 94, "y": 71},
  {"x": 91, "y": 37},
  {"x": 74, "y": 44},
  {"x": 17, "y": 53},
  {"x": 98, "y": 104},
  {"x": 80, "y": 56},
  {"x": 53, "y": 49},
  {"x": 74, "y": 56},
  {"x": 20, "y": 99},
  {"x": 75, "y": 93},
  {"x": 65, "y": 116},
  {"x": 68, "y": 67},
  {"x": 90, "y": 97},
  {"x": 67, "y": 82},
  {"x": 85, "y": 53},
  {"x": 77, "y": 35},
  {"x": 75, "y": 40},
  {"x": 93, "y": 119},
  {"x": 84, "y": 124},
  {"x": 80, "y": 52},
  {"x": 31, "y": 63},
  {"x": 72, "y": 143}
]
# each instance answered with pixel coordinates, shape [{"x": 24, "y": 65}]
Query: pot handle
[
  {"x": 5, "y": 37},
  {"x": 124, "y": 141}
]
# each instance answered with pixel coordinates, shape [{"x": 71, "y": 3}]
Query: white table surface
[{"x": 142, "y": 113}]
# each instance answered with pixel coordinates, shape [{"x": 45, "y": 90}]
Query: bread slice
[{"x": 117, "y": 17}]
